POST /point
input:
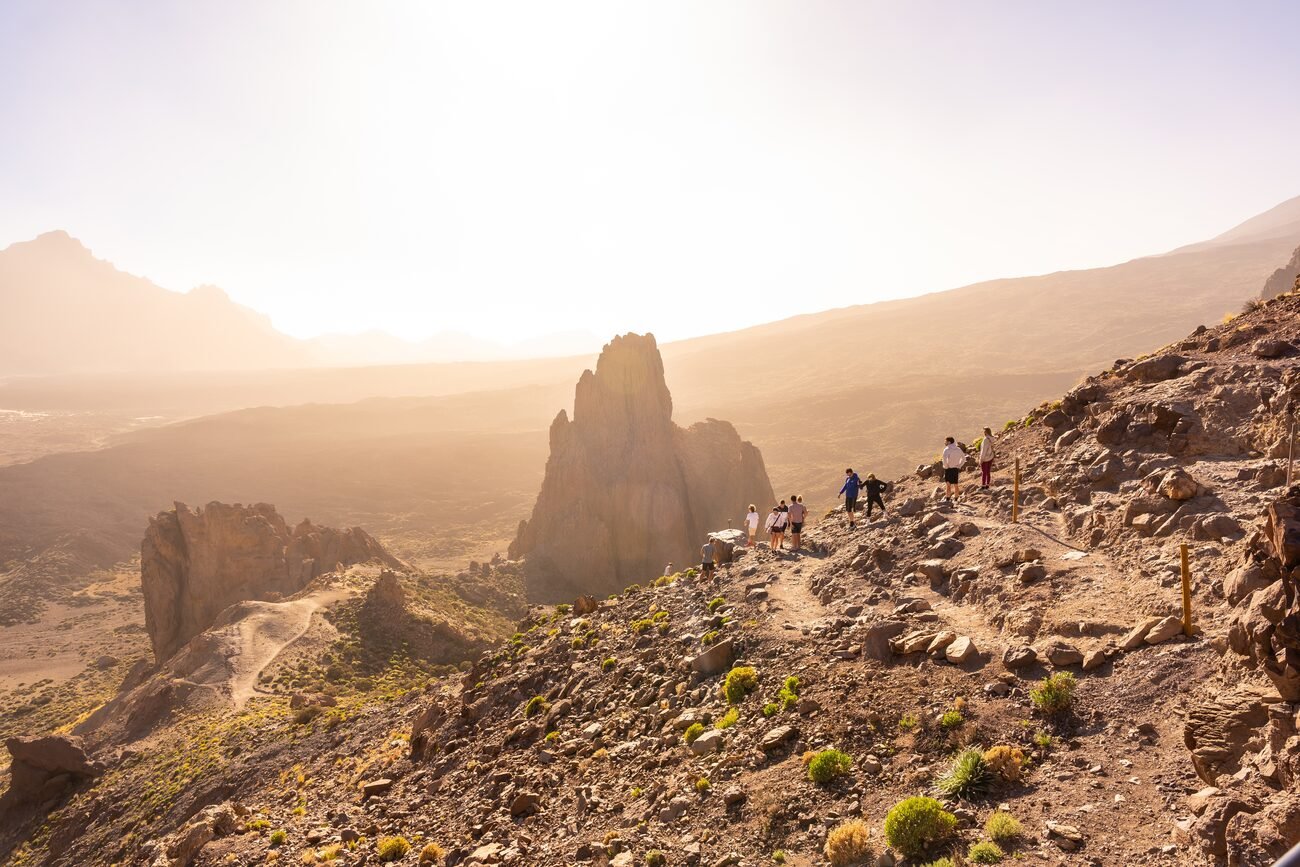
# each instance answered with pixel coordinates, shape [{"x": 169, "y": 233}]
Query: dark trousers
[
  {"x": 874, "y": 501},
  {"x": 986, "y": 472}
]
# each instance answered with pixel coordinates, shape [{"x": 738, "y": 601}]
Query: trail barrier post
[
  {"x": 1015, "y": 494},
  {"x": 1290, "y": 448},
  {"x": 1187, "y": 590}
]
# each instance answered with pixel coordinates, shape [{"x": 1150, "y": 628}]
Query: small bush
[
  {"x": 537, "y": 704},
  {"x": 1055, "y": 694},
  {"x": 642, "y": 626},
  {"x": 702, "y": 785},
  {"x": 771, "y": 709},
  {"x": 258, "y": 825},
  {"x": 552, "y": 737},
  {"x": 779, "y": 856},
  {"x": 655, "y": 858},
  {"x": 907, "y": 722},
  {"x": 1005, "y": 762},
  {"x": 715, "y": 603},
  {"x": 693, "y": 732},
  {"x": 608, "y": 664},
  {"x": 916, "y": 824},
  {"x": 432, "y": 854},
  {"x": 738, "y": 683},
  {"x": 729, "y": 719},
  {"x": 1042, "y": 740},
  {"x": 849, "y": 843},
  {"x": 392, "y": 848},
  {"x": 951, "y": 719},
  {"x": 563, "y": 608},
  {"x": 330, "y": 852},
  {"x": 279, "y": 836},
  {"x": 1003, "y": 827},
  {"x": 788, "y": 696},
  {"x": 664, "y": 580},
  {"x": 709, "y": 637},
  {"x": 968, "y": 775},
  {"x": 984, "y": 852},
  {"x": 827, "y": 765}
]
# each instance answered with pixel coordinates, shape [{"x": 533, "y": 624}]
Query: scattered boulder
[
  {"x": 1019, "y": 657},
  {"x": 876, "y": 639},
  {"x": 776, "y": 738},
  {"x": 1268, "y": 348},
  {"x": 961, "y": 650},
  {"x": 716, "y": 659},
  {"x": 44, "y": 768},
  {"x": 1164, "y": 629},
  {"x": 1155, "y": 369},
  {"x": 1060, "y": 654},
  {"x": 1218, "y": 729}
]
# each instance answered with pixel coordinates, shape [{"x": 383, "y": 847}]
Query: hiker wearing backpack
[
  {"x": 850, "y": 493},
  {"x": 875, "y": 488},
  {"x": 986, "y": 458},
  {"x": 776, "y": 527}
]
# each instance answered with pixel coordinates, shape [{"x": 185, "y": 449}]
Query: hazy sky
[{"x": 511, "y": 169}]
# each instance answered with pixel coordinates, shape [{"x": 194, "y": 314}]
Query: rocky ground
[{"x": 604, "y": 732}]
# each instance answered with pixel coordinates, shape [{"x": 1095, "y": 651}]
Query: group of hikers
[{"x": 790, "y": 516}]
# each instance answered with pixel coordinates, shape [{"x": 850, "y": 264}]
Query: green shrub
[
  {"x": 828, "y": 765},
  {"x": 655, "y": 858},
  {"x": 1042, "y": 740},
  {"x": 1002, "y": 827},
  {"x": 664, "y": 580},
  {"x": 608, "y": 664},
  {"x": 967, "y": 777},
  {"x": 788, "y": 696},
  {"x": 738, "y": 683},
  {"x": 916, "y": 824},
  {"x": 702, "y": 785},
  {"x": 642, "y": 625},
  {"x": 715, "y": 603},
  {"x": 951, "y": 719},
  {"x": 693, "y": 732},
  {"x": 279, "y": 836},
  {"x": 779, "y": 856},
  {"x": 984, "y": 853},
  {"x": 709, "y": 637},
  {"x": 537, "y": 704},
  {"x": 432, "y": 854},
  {"x": 563, "y": 608},
  {"x": 771, "y": 709},
  {"x": 1054, "y": 695},
  {"x": 392, "y": 848},
  {"x": 729, "y": 719},
  {"x": 907, "y": 722}
]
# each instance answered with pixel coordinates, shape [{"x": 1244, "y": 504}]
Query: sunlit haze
[{"x": 513, "y": 170}]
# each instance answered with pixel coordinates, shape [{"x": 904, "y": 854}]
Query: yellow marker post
[
  {"x": 1015, "y": 494},
  {"x": 1187, "y": 591}
]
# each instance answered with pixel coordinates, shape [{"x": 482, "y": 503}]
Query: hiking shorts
[
  {"x": 951, "y": 475},
  {"x": 796, "y": 528},
  {"x": 707, "y": 566},
  {"x": 851, "y": 504}
]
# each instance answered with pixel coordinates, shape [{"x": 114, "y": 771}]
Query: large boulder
[
  {"x": 1155, "y": 369},
  {"x": 625, "y": 489},
  {"x": 1218, "y": 729},
  {"x": 43, "y": 768},
  {"x": 194, "y": 563}
]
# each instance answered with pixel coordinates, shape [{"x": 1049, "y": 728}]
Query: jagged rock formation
[
  {"x": 1284, "y": 279},
  {"x": 196, "y": 562},
  {"x": 626, "y": 490},
  {"x": 42, "y": 769}
]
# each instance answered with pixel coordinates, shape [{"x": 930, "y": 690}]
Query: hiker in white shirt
[
  {"x": 751, "y": 523},
  {"x": 986, "y": 458},
  {"x": 953, "y": 460}
]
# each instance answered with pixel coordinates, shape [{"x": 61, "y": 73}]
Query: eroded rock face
[
  {"x": 194, "y": 563},
  {"x": 42, "y": 768},
  {"x": 626, "y": 490}
]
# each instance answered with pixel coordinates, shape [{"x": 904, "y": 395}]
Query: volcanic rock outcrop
[
  {"x": 196, "y": 562},
  {"x": 626, "y": 490}
]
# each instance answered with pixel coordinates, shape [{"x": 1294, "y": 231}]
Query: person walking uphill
[
  {"x": 875, "y": 488},
  {"x": 706, "y": 560},
  {"x": 776, "y": 526},
  {"x": 986, "y": 458},
  {"x": 751, "y": 523},
  {"x": 798, "y": 511},
  {"x": 850, "y": 493},
  {"x": 953, "y": 460}
]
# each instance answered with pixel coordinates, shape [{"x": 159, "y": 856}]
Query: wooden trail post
[
  {"x": 1187, "y": 590},
  {"x": 1290, "y": 448},
  {"x": 1015, "y": 494}
]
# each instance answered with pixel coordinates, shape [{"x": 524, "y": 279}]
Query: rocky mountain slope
[
  {"x": 626, "y": 490},
  {"x": 1037, "y": 668}
]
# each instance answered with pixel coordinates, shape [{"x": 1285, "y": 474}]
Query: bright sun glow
[{"x": 521, "y": 169}]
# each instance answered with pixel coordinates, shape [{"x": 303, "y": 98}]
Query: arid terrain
[{"x": 687, "y": 721}]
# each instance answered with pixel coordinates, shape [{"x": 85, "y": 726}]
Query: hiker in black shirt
[{"x": 875, "y": 488}]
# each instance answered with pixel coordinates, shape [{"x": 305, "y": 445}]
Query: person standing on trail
[
  {"x": 751, "y": 523},
  {"x": 986, "y": 458},
  {"x": 875, "y": 488},
  {"x": 850, "y": 493},
  {"x": 776, "y": 526},
  {"x": 668, "y": 570},
  {"x": 953, "y": 460},
  {"x": 798, "y": 511},
  {"x": 706, "y": 560}
]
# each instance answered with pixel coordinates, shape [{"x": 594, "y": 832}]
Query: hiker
[
  {"x": 784, "y": 524},
  {"x": 751, "y": 523},
  {"x": 953, "y": 460},
  {"x": 875, "y": 488},
  {"x": 775, "y": 525},
  {"x": 798, "y": 511},
  {"x": 850, "y": 493},
  {"x": 706, "y": 559},
  {"x": 986, "y": 458},
  {"x": 669, "y": 570}
]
